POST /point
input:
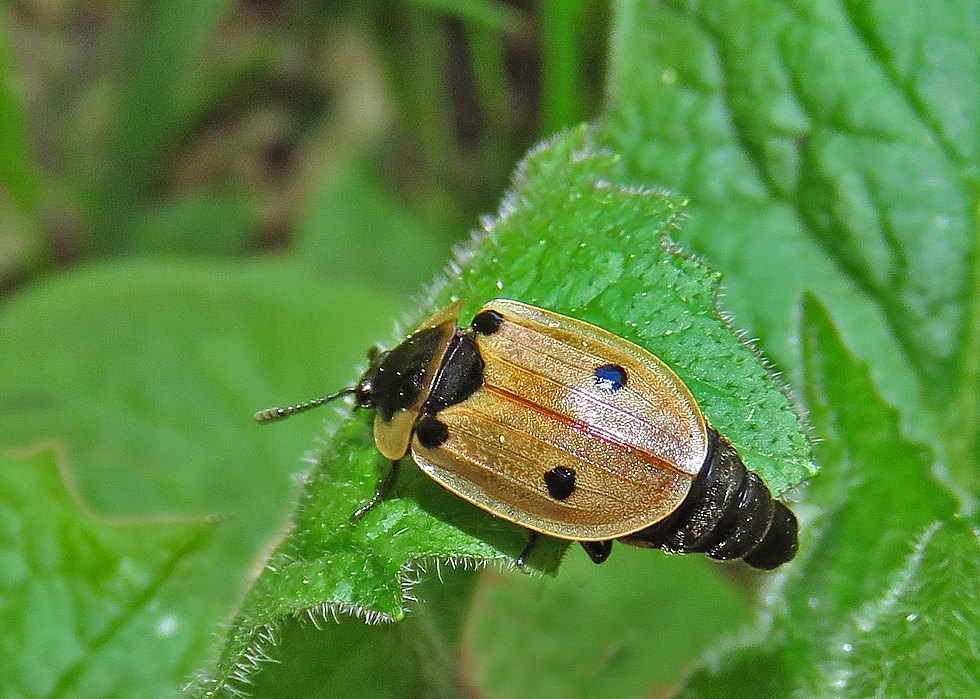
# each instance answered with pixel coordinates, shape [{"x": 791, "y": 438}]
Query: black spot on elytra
[
  {"x": 487, "y": 322},
  {"x": 431, "y": 433},
  {"x": 560, "y": 481}
]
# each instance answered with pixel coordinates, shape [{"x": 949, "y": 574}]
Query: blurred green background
[{"x": 321, "y": 131}]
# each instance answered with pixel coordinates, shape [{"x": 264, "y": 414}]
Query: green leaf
[
  {"x": 614, "y": 632},
  {"x": 346, "y": 657},
  {"x": 920, "y": 638},
  {"x": 827, "y": 158},
  {"x": 823, "y": 151},
  {"x": 877, "y": 499},
  {"x": 144, "y": 376},
  {"x": 92, "y": 606},
  {"x": 874, "y": 463},
  {"x": 570, "y": 239},
  {"x": 883, "y": 534}
]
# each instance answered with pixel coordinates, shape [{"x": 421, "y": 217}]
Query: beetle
[{"x": 567, "y": 430}]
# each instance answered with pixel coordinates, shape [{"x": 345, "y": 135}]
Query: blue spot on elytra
[{"x": 610, "y": 377}]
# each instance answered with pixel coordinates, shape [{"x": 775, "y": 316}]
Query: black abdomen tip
[
  {"x": 780, "y": 543},
  {"x": 728, "y": 513}
]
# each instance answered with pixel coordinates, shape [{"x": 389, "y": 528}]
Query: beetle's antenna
[{"x": 273, "y": 414}]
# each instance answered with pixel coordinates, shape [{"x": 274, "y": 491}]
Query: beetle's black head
[
  {"x": 364, "y": 391},
  {"x": 395, "y": 380}
]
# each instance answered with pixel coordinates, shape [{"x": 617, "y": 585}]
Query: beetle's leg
[
  {"x": 598, "y": 550},
  {"x": 522, "y": 559},
  {"x": 382, "y": 491}
]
